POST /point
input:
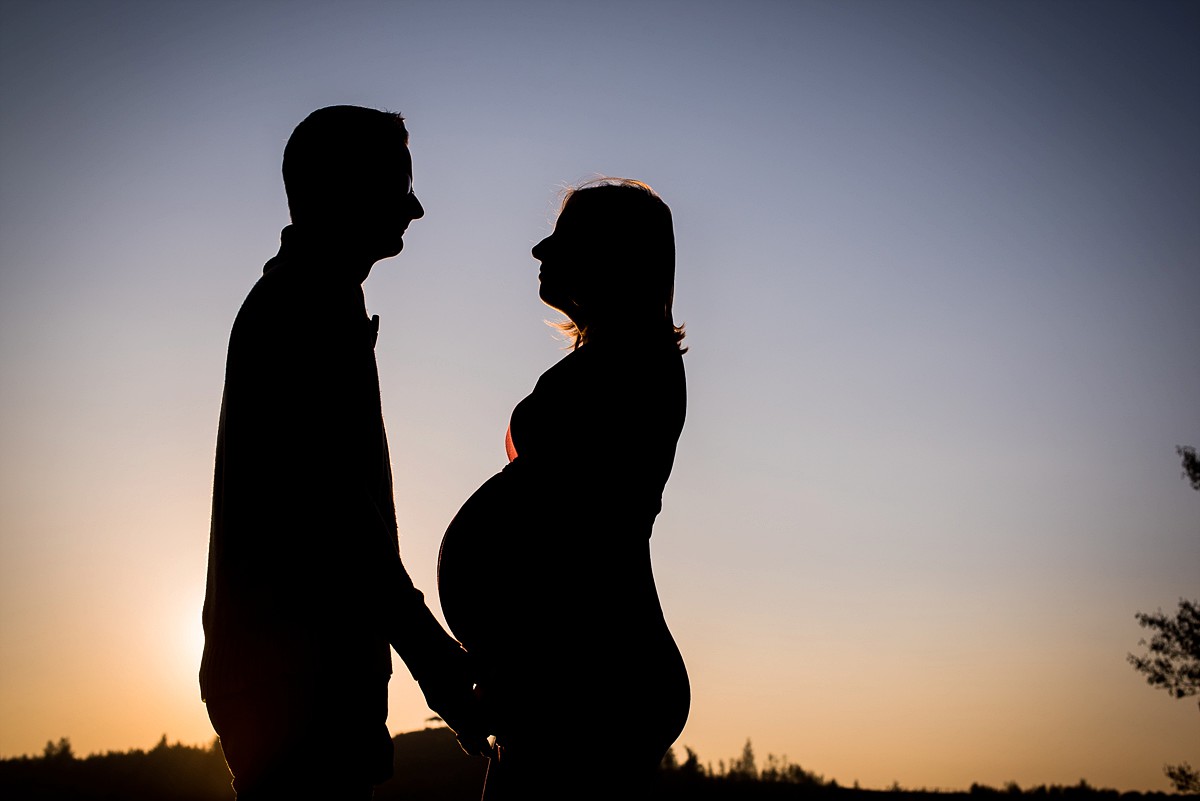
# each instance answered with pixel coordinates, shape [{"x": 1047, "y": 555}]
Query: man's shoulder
[
  {"x": 284, "y": 289},
  {"x": 265, "y": 300},
  {"x": 291, "y": 304}
]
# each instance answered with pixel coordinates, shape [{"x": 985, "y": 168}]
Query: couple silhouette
[{"x": 560, "y": 651}]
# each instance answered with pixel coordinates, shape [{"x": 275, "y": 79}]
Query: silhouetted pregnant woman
[{"x": 545, "y": 574}]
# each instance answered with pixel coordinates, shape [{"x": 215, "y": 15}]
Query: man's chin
[{"x": 393, "y": 249}]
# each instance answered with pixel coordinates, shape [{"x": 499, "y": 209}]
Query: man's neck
[{"x": 327, "y": 249}]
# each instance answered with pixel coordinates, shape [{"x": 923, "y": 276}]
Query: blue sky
[{"x": 938, "y": 264}]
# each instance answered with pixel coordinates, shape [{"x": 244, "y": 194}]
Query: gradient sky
[{"x": 940, "y": 268}]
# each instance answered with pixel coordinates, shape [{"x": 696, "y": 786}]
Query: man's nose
[{"x": 417, "y": 211}]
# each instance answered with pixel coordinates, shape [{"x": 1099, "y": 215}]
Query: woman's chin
[{"x": 552, "y": 300}]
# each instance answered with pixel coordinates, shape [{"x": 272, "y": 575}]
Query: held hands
[
  {"x": 451, "y": 693},
  {"x": 474, "y": 739}
]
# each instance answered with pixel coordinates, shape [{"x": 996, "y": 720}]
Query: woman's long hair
[{"x": 644, "y": 238}]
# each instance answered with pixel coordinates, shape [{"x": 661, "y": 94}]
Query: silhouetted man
[{"x": 306, "y": 590}]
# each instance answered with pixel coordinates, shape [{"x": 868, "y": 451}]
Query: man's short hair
[{"x": 333, "y": 155}]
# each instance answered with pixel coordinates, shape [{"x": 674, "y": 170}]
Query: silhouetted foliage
[
  {"x": 1055, "y": 791},
  {"x": 1191, "y": 465},
  {"x": 58, "y": 752},
  {"x": 744, "y": 767},
  {"x": 1173, "y": 660},
  {"x": 1184, "y": 777},
  {"x": 778, "y": 770},
  {"x": 1173, "y": 664},
  {"x": 691, "y": 765}
]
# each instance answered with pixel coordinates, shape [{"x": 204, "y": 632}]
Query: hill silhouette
[{"x": 431, "y": 767}]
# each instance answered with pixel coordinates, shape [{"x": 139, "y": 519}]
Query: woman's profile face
[{"x": 567, "y": 258}]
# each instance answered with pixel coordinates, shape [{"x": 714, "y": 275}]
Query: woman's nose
[{"x": 539, "y": 250}]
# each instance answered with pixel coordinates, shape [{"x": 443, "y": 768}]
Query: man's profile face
[{"x": 392, "y": 204}]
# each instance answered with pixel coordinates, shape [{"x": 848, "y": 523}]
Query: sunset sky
[{"x": 940, "y": 268}]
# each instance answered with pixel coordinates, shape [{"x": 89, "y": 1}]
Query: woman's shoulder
[
  {"x": 660, "y": 364},
  {"x": 610, "y": 366},
  {"x": 632, "y": 353}
]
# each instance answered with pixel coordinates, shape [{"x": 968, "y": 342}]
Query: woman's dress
[{"x": 544, "y": 574}]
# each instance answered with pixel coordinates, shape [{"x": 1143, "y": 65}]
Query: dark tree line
[
  {"x": 177, "y": 772},
  {"x": 431, "y": 767}
]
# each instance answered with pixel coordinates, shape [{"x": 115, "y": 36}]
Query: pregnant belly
[
  {"x": 551, "y": 605},
  {"x": 467, "y": 562}
]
